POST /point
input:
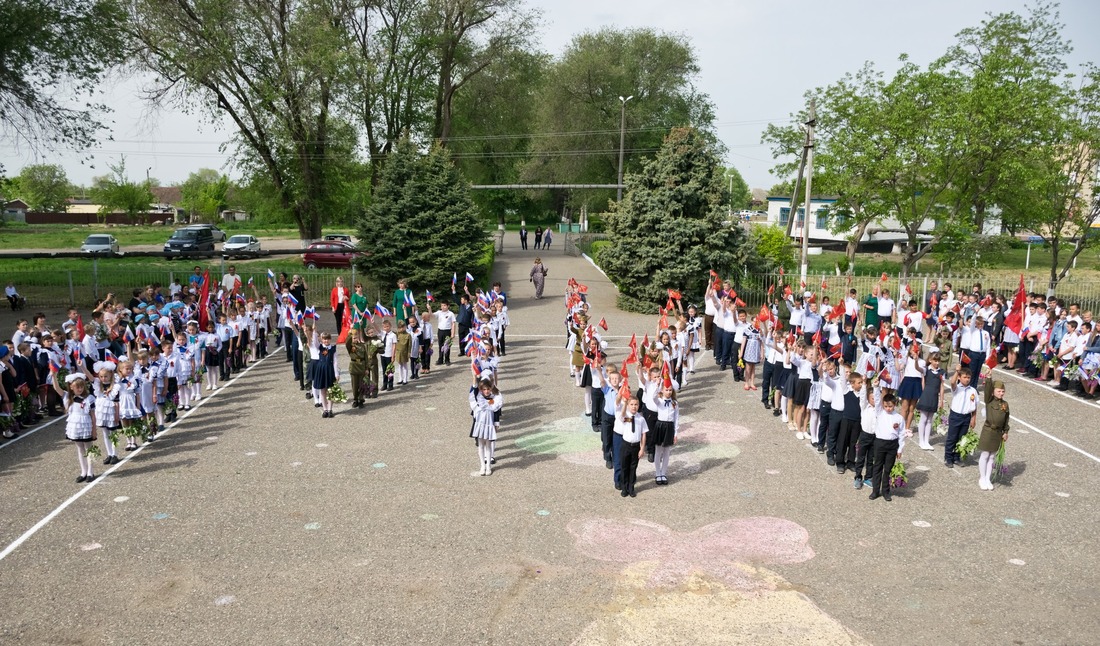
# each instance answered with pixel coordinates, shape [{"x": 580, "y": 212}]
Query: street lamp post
[{"x": 622, "y": 143}]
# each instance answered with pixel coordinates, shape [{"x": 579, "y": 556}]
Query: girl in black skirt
[
  {"x": 325, "y": 372},
  {"x": 664, "y": 433}
]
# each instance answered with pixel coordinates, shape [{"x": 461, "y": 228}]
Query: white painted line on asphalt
[
  {"x": 88, "y": 487},
  {"x": 1012, "y": 373},
  {"x": 1062, "y": 442}
]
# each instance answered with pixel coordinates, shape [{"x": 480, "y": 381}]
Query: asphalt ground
[{"x": 254, "y": 520}]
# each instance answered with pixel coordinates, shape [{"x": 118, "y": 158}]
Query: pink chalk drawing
[
  {"x": 697, "y": 442},
  {"x": 728, "y": 551}
]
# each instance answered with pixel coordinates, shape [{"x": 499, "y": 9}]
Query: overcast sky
[{"x": 758, "y": 57}]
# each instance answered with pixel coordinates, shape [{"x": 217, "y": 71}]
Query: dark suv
[{"x": 190, "y": 240}]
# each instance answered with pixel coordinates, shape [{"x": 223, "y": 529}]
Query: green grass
[
  {"x": 1013, "y": 260},
  {"x": 66, "y": 237}
]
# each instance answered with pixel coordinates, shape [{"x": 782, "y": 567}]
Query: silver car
[
  {"x": 239, "y": 243},
  {"x": 100, "y": 243}
]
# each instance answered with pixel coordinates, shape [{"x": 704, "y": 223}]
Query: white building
[{"x": 822, "y": 215}]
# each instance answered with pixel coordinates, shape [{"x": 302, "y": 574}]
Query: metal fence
[{"x": 62, "y": 289}]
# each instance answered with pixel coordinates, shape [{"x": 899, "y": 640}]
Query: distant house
[
  {"x": 15, "y": 211},
  {"x": 234, "y": 215}
]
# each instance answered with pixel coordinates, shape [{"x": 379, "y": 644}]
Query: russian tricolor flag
[
  {"x": 380, "y": 310},
  {"x": 409, "y": 299},
  {"x": 110, "y": 356},
  {"x": 429, "y": 296},
  {"x": 271, "y": 274},
  {"x": 290, "y": 297},
  {"x": 55, "y": 367},
  {"x": 469, "y": 278},
  {"x": 454, "y": 281}
]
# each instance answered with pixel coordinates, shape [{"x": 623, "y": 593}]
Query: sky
[{"x": 757, "y": 60}]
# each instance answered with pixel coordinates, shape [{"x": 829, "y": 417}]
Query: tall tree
[
  {"x": 205, "y": 193},
  {"x": 493, "y": 122},
  {"x": 44, "y": 187},
  {"x": 579, "y": 108},
  {"x": 422, "y": 224},
  {"x": 115, "y": 192},
  {"x": 1052, "y": 188},
  {"x": 273, "y": 68},
  {"x": 52, "y": 52},
  {"x": 668, "y": 232},
  {"x": 740, "y": 196},
  {"x": 471, "y": 36}
]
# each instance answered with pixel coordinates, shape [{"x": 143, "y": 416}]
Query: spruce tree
[
  {"x": 668, "y": 231},
  {"x": 421, "y": 224}
]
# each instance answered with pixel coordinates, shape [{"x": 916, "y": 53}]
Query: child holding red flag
[{"x": 664, "y": 431}]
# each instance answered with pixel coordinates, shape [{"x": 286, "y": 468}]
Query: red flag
[
  {"x": 765, "y": 313},
  {"x": 834, "y": 350},
  {"x": 992, "y": 360},
  {"x": 987, "y": 301},
  {"x": 824, "y": 285},
  {"x": 732, "y": 293},
  {"x": 934, "y": 301},
  {"x": 79, "y": 327},
  {"x": 713, "y": 274},
  {"x": 717, "y": 285},
  {"x": 603, "y": 324},
  {"x": 645, "y": 343},
  {"x": 838, "y": 311},
  {"x": 624, "y": 391},
  {"x": 816, "y": 338},
  {"x": 346, "y": 326},
  {"x": 908, "y": 290},
  {"x": 622, "y": 371},
  {"x": 787, "y": 291},
  {"x": 813, "y": 297},
  {"x": 204, "y": 300},
  {"x": 666, "y": 378},
  {"x": 780, "y": 271},
  {"x": 673, "y": 294},
  {"x": 882, "y": 334},
  {"x": 771, "y": 289},
  {"x": 884, "y": 374},
  {"x": 965, "y": 360},
  {"x": 802, "y": 283},
  {"x": 738, "y": 302},
  {"x": 582, "y": 289},
  {"x": 669, "y": 305},
  {"x": 572, "y": 282},
  {"x": 885, "y": 277},
  {"x": 646, "y": 362},
  {"x": 791, "y": 338},
  {"x": 663, "y": 323},
  {"x": 633, "y": 345},
  {"x": 897, "y": 342}
]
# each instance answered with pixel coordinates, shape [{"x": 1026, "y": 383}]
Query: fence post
[
  {"x": 72, "y": 297},
  {"x": 353, "y": 276}
]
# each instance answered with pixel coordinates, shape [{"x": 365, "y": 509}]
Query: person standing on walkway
[
  {"x": 633, "y": 429},
  {"x": 547, "y": 238},
  {"x": 338, "y": 299},
  {"x": 523, "y": 237},
  {"x": 994, "y": 431},
  {"x": 538, "y": 276},
  {"x": 538, "y": 238}
]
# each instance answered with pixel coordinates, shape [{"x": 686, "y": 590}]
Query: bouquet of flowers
[
  {"x": 112, "y": 436},
  {"x": 939, "y": 422},
  {"x": 967, "y": 445},
  {"x": 1073, "y": 371},
  {"x": 336, "y": 394},
  {"x": 93, "y": 451},
  {"x": 137, "y": 428},
  {"x": 169, "y": 406},
  {"x": 389, "y": 369},
  {"x": 999, "y": 468},
  {"x": 446, "y": 346},
  {"x": 897, "y": 475}
]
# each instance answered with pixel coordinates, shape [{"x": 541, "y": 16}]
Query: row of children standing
[{"x": 642, "y": 423}]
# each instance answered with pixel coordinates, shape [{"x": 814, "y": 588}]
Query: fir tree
[
  {"x": 668, "y": 231},
  {"x": 421, "y": 224}
]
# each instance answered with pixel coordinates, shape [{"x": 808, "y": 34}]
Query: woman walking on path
[{"x": 538, "y": 276}]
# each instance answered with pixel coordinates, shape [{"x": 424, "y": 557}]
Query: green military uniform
[
  {"x": 358, "y": 356},
  {"x": 996, "y": 419}
]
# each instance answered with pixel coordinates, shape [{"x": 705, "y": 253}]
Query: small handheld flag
[
  {"x": 109, "y": 356},
  {"x": 454, "y": 281},
  {"x": 885, "y": 277},
  {"x": 429, "y": 296},
  {"x": 293, "y": 301},
  {"x": 271, "y": 274},
  {"x": 409, "y": 299},
  {"x": 992, "y": 360},
  {"x": 674, "y": 295},
  {"x": 603, "y": 324},
  {"x": 55, "y": 367},
  {"x": 380, "y": 310},
  {"x": 469, "y": 278},
  {"x": 824, "y": 285},
  {"x": 251, "y": 281}
]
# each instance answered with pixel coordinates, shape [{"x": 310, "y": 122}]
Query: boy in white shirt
[{"x": 889, "y": 442}]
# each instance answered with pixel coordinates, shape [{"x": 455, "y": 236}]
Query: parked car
[
  {"x": 329, "y": 253},
  {"x": 343, "y": 237},
  {"x": 240, "y": 243},
  {"x": 190, "y": 239},
  {"x": 99, "y": 243},
  {"x": 215, "y": 232}
]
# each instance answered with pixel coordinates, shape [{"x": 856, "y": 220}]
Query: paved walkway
[{"x": 256, "y": 521}]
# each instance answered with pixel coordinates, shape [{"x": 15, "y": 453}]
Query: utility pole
[
  {"x": 622, "y": 143},
  {"x": 809, "y": 180}
]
